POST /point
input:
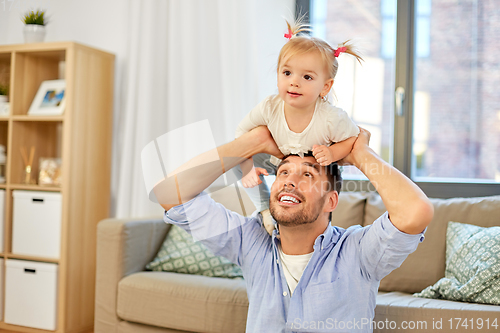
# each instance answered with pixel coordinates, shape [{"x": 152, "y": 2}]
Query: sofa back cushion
[
  {"x": 234, "y": 198},
  {"x": 426, "y": 265},
  {"x": 349, "y": 210}
]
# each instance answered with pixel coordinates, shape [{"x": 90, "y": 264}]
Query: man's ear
[{"x": 331, "y": 202}]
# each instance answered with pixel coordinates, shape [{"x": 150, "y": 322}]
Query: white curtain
[{"x": 188, "y": 61}]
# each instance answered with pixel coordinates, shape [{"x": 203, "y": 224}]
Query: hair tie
[
  {"x": 289, "y": 35},
  {"x": 339, "y": 51}
]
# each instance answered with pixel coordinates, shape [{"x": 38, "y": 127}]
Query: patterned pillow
[
  {"x": 472, "y": 266},
  {"x": 180, "y": 254}
]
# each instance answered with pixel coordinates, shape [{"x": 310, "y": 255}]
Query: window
[{"x": 446, "y": 135}]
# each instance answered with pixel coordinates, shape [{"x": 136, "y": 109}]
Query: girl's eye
[
  {"x": 308, "y": 77},
  {"x": 307, "y": 174},
  {"x": 287, "y": 73},
  {"x": 284, "y": 173}
]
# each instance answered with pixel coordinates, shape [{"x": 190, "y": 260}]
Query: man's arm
[
  {"x": 409, "y": 208},
  {"x": 196, "y": 175}
]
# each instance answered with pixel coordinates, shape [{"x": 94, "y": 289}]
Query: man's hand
[
  {"x": 360, "y": 145},
  {"x": 263, "y": 141}
]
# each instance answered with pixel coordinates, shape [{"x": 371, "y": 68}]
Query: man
[{"x": 309, "y": 276}]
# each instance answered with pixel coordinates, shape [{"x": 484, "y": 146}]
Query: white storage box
[
  {"x": 2, "y": 216},
  {"x": 36, "y": 229},
  {"x": 31, "y": 294}
]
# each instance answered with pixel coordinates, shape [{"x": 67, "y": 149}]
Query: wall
[
  {"x": 97, "y": 23},
  {"x": 102, "y": 24}
]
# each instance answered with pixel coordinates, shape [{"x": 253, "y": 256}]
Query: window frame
[{"x": 402, "y": 154}]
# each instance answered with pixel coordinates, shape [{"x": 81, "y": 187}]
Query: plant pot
[
  {"x": 34, "y": 33},
  {"x": 4, "y": 106}
]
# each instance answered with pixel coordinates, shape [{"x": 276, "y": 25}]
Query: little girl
[{"x": 300, "y": 118}]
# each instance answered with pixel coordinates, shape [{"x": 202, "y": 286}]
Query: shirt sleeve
[
  {"x": 383, "y": 247},
  {"x": 340, "y": 126},
  {"x": 218, "y": 228},
  {"x": 256, "y": 117}
]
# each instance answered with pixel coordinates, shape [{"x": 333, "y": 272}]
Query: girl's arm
[{"x": 326, "y": 155}]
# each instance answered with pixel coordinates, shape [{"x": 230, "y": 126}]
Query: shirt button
[{"x": 284, "y": 293}]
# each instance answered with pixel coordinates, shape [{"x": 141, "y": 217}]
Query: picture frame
[
  {"x": 50, "y": 99},
  {"x": 49, "y": 172}
]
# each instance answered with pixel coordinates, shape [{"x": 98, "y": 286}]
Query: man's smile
[{"x": 289, "y": 199}]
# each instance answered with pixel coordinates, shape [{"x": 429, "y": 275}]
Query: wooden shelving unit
[{"x": 81, "y": 137}]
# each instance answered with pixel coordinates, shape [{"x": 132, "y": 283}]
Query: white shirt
[
  {"x": 329, "y": 124},
  {"x": 293, "y": 267}
]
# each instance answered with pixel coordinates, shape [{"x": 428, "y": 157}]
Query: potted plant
[{"x": 34, "y": 29}]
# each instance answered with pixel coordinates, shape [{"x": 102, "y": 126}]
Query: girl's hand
[
  {"x": 322, "y": 155},
  {"x": 252, "y": 178}
]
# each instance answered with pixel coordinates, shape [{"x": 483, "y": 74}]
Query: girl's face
[{"x": 302, "y": 79}]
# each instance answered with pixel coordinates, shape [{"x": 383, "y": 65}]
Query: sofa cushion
[
  {"x": 129, "y": 327},
  {"x": 472, "y": 266},
  {"x": 426, "y": 265},
  {"x": 183, "y": 302},
  {"x": 398, "y": 307},
  {"x": 233, "y": 197},
  {"x": 179, "y": 253},
  {"x": 350, "y": 209}
]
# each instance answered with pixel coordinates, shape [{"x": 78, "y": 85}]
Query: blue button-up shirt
[{"x": 337, "y": 291}]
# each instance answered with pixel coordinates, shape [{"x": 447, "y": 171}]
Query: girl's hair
[{"x": 301, "y": 44}]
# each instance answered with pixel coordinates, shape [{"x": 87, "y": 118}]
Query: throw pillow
[
  {"x": 472, "y": 266},
  {"x": 181, "y": 254}
]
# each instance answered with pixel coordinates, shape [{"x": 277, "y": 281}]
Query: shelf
[
  {"x": 32, "y": 68},
  {"x": 58, "y": 118},
  {"x": 30, "y": 258},
  {"x": 81, "y": 137},
  {"x": 9, "y": 328},
  {"x": 44, "y": 136},
  {"x": 34, "y": 188}
]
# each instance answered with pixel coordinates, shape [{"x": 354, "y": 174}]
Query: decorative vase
[{"x": 34, "y": 33}]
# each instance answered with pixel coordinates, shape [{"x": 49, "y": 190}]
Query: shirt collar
[{"x": 329, "y": 237}]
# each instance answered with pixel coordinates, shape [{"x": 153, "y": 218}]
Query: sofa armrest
[{"x": 124, "y": 247}]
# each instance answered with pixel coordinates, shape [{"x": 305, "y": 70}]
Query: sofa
[{"x": 130, "y": 299}]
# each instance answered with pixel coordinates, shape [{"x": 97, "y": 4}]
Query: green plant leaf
[{"x": 32, "y": 17}]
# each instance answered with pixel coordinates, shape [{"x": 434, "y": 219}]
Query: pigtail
[
  {"x": 297, "y": 27},
  {"x": 348, "y": 47}
]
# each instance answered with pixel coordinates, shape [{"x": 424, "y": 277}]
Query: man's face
[{"x": 299, "y": 192}]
